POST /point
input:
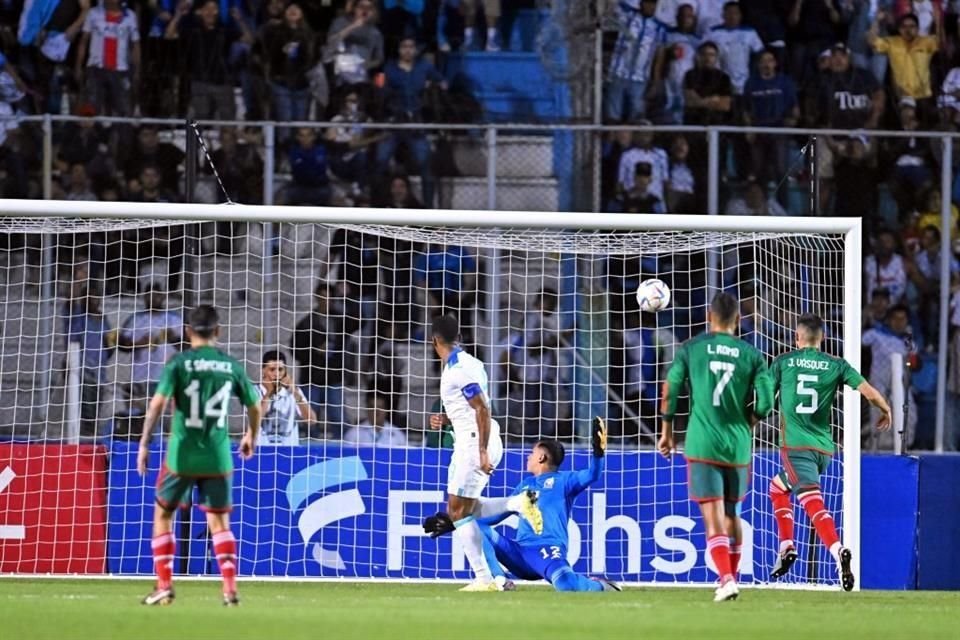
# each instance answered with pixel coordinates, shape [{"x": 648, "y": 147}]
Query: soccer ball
[{"x": 653, "y": 295}]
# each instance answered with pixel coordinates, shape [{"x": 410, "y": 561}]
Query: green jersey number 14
[{"x": 215, "y": 407}]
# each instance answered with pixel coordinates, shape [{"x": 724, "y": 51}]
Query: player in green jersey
[
  {"x": 201, "y": 381},
  {"x": 722, "y": 372},
  {"x": 808, "y": 381}
]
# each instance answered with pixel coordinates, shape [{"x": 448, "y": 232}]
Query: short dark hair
[
  {"x": 811, "y": 322},
  {"x": 446, "y": 327},
  {"x": 270, "y": 356},
  {"x": 897, "y": 308},
  {"x": 731, "y": 3},
  {"x": 709, "y": 44},
  {"x": 554, "y": 449},
  {"x": 204, "y": 320},
  {"x": 724, "y": 307},
  {"x": 909, "y": 16},
  {"x": 933, "y": 229}
]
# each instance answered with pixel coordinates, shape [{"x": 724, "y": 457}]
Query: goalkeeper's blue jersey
[{"x": 557, "y": 492}]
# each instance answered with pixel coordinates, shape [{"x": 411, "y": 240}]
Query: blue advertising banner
[
  {"x": 357, "y": 512},
  {"x": 938, "y": 561}
]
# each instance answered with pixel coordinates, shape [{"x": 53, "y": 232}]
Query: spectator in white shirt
[
  {"x": 736, "y": 43},
  {"x": 668, "y": 11},
  {"x": 112, "y": 37},
  {"x": 153, "y": 336},
  {"x": 884, "y": 341},
  {"x": 282, "y": 404},
  {"x": 680, "y": 56},
  {"x": 634, "y": 64},
  {"x": 885, "y": 269},
  {"x": 682, "y": 186},
  {"x": 644, "y": 151},
  {"x": 376, "y": 429},
  {"x": 949, "y": 100}
]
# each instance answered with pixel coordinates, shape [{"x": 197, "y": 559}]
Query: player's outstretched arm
[
  {"x": 876, "y": 398},
  {"x": 157, "y": 404},
  {"x": 586, "y": 477}
]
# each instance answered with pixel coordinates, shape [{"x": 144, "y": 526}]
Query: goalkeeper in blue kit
[{"x": 533, "y": 556}]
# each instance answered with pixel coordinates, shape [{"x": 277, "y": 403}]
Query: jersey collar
[{"x": 452, "y": 358}]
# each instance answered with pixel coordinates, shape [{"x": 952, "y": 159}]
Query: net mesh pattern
[{"x": 93, "y": 308}]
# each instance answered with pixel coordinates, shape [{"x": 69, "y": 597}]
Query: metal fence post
[
  {"x": 47, "y": 157},
  {"x": 269, "y": 142},
  {"x": 491, "y": 168},
  {"x": 48, "y": 273},
  {"x": 946, "y": 256},
  {"x": 713, "y": 207}
]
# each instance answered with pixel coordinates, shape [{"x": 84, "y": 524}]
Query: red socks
[
  {"x": 735, "y": 550},
  {"x": 820, "y": 518},
  {"x": 783, "y": 512},
  {"x": 719, "y": 549},
  {"x": 164, "y": 548},
  {"x": 225, "y": 548}
]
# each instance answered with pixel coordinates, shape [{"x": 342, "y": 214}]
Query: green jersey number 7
[{"x": 724, "y": 371}]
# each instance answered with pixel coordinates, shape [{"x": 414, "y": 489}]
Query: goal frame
[{"x": 850, "y": 228}]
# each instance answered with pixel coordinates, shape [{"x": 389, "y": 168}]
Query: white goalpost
[{"x": 95, "y": 295}]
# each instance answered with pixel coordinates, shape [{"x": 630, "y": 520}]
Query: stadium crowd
[{"x": 856, "y": 65}]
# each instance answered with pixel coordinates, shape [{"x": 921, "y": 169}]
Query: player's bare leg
[
  {"x": 783, "y": 512},
  {"x": 163, "y": 546},
  {"x": 718, "y": 546},
  {"x": 225, "y": 549},
  {"x": 461, "y": 511}
]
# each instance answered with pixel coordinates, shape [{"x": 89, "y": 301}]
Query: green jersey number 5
[
  {"x": 808, "y": 393},
  {"x": 724, "y": 371},
  {"x": 215, "y": 407}
]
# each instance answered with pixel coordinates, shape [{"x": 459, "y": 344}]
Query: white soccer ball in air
[{"x": 653, "y": 295}]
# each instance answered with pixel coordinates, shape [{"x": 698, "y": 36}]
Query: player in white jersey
[
  {"x": 477, "y": 447},
  {"x": 282, "y": 404}
]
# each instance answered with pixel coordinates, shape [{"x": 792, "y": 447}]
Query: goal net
[{"x": 94, "y": 305}]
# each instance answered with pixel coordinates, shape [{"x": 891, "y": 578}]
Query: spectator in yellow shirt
[{"x": 909, "y": 55}]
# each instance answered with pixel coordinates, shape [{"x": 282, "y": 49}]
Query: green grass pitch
[{"x": 104, "y": 609}]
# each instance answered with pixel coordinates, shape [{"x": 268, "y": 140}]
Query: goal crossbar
[{"x": 487, "y": 219}]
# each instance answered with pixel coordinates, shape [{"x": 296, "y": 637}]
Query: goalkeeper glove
[
  {"x": 599, "y": 437},
  {"x": 437, "y": 525}
]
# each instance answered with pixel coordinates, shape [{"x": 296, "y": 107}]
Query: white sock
[
  {"x": 785, "y": 544},
  {"x": 468, "y": 34},
  {"x": 835, "y": 551},
  {"x": 470, "y": 539},
  {"x": 500, "y": 580},
  {"x": 491, "y": 34},
  {"x": 491, "y": 507}
]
